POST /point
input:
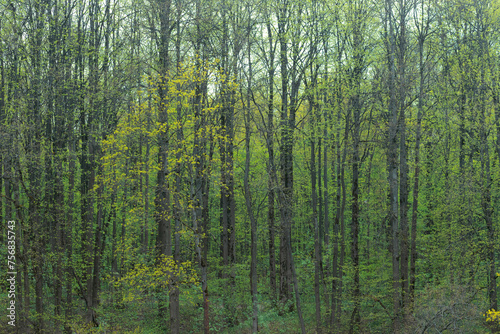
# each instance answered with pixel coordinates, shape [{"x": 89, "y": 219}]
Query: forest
[{"x": 225, "y": 166}]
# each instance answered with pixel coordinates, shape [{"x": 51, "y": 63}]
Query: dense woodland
[{"x": 223, "y": 166}]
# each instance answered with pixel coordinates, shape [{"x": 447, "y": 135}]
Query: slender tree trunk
[
  {"x": 97, "y": 245},
  {"x": 355, "y": 318},
  {"x": 326, "y": 195},
  {"x": 26, "y": 252},
  {"x": 356, "y": 131},
  {"x": 68, "y": 104},
  {"x": 146, "y": 186},
  {"x": 403, "y": 164},
  {"x": 248, "y": 202},
  {"x": 162, "y": 195},
  {"x": 339, "y": 227},
  {"x": 413, "y": 258},
  {"x": 199, "y": 181},
  {"x": 114, "y": 255},
  {"x": 320, "y": 189},
  {"x": 206, "y": 220},
  {"x": 88, "y": 240},
  {"x": 286, "y": 164},
  {"x": 56, "y": 69},
  {"x": 392, "y": 168},
  {"x": 326, "y": 221},
  {"x": 60, "y": 231},
  {"x": 314, "y": 199},
  {"x": 368, "y": 207},
  {"x": 34, "y": 170},
  {"x": 272, "y": 177},
  {"x": 226, "y": 195},
  {"x": 201, "y": 90}
]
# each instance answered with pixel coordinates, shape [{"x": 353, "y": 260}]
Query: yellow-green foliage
[
  {"x": 493, "y": 315},
  {"x": 180, "y": 116},
  {"x": 143, "y": 278},
  {"x": 143, "y": 122}
]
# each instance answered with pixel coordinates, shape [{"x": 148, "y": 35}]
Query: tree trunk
[
  {"x": 226, "y": 151},
  {"x": 317, "y": 298},
  {"x": 392, "y": 167},
  {"x": 286, "y": 164},
  {"x": 403, "y": 164},
  {"x": 248, "y": 202},
  {"x": 413, "y": 243},
  {"x": 339, "y": 228},
  {"x": 162, "y": 195},
  {"x": 356, "y": 131},
  {"x": 272, "y": 177}
]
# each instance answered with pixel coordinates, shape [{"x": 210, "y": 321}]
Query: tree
[{"x": 392, "y": 163}]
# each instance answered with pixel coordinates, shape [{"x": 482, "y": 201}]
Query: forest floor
[{"x": 439, "y": 310}]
